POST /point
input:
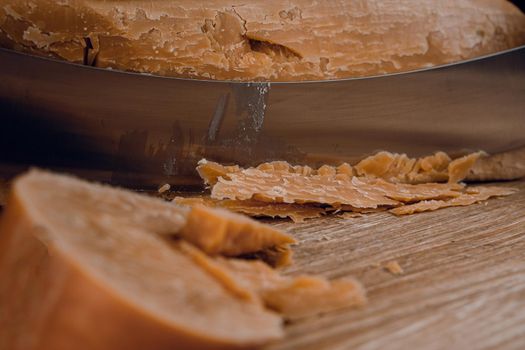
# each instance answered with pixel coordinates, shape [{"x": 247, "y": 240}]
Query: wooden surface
[{"x": 463, "y": 285}]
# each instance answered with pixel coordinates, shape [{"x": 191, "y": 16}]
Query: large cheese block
[
  {"x": 263, "y": 40},
  {"x": 84, "y": 266}
]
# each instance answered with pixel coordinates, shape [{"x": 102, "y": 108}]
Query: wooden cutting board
[{"x": 463, "y": 285}]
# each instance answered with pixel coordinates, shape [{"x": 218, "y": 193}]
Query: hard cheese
[{"x": 86, "y": 266}]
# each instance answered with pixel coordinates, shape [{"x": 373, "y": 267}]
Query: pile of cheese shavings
[{"x": 381, "y": 182}]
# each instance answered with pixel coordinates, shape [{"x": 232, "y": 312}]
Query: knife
[{"x": 140, "y": 130}]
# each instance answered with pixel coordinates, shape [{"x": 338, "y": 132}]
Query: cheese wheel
[
  {"x": 84, "y": 266},
  {"x": 260, "y": 39}
]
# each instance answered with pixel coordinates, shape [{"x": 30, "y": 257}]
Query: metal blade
[{"x": 140, "y": 130}]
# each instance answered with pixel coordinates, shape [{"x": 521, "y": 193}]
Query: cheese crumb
[
  {"x": 164, "y": 188},
  {"x": 394, "y": 268}
]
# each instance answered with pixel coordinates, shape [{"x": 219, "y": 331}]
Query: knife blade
[{"x": 140, "y": 130}]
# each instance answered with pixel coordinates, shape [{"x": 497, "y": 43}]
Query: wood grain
[{"x": 463, "y": 285}]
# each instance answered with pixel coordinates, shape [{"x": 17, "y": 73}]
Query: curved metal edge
[{"x": 114, "y": 71}]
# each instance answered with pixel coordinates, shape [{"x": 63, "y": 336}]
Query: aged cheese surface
[
  {"x": 270, "y": 40},
  {"x": 86, "y": 266}
]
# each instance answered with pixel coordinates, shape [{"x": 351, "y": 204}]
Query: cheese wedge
[{"x": 85, "y": 266}]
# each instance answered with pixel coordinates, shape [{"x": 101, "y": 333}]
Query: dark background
[{"x": 520, "y": 4}]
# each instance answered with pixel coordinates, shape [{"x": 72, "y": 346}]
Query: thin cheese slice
[
  {"x": 474, "y": 195},
  {"x": 410, "y": 193},
  {"x": 211, "y": 171},
  {"x": 298, "y": 213},
  {"x": 295, "y": 188},
  {"x": 330, "y": 190}
]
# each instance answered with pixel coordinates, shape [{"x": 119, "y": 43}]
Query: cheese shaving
[
  {"x": 474, "y": 195},
  {"x": 297, "y": 213}
]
